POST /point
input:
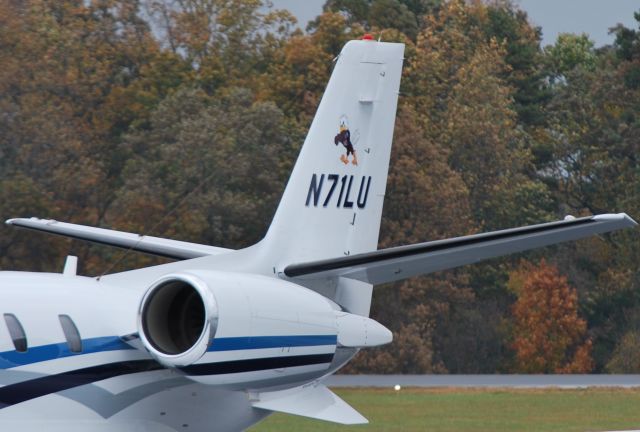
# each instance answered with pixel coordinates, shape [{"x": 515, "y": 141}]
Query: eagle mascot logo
[{"x": 344, "y": 138}]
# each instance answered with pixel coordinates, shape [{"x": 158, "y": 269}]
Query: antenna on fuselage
[{"x": 70, "y": 266}]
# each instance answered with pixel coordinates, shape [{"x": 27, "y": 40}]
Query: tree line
[{"x": 183, "y": 118}]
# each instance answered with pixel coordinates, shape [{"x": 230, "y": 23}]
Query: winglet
[
  {"x": 314, "y": 401},
  {"x": 623, "y": 219}
]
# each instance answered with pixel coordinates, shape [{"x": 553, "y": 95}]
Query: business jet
[{"x": 219, "y": 339}]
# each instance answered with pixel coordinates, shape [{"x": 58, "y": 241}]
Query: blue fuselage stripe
[
  {"x": 42, "y": 353},
  {"x": 11, "y": 359},
  {"x": 259, "y": 342}
]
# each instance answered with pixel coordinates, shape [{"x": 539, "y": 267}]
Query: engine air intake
[
  {"x": 177, "y": 319},
  {"x": 173, "y": 318}
]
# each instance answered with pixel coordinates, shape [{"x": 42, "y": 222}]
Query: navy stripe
[
  {"x": 31, "y": 389},
  {"x": 252, "y": 365},
  {"x": 258, "y": 342}
]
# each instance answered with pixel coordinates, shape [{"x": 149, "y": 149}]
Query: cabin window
[
  {"x": 16, "y": 332},
  {"x": 71, "y": 333}
]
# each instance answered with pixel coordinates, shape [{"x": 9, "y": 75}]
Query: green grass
[{"x": 479, "y": 410}]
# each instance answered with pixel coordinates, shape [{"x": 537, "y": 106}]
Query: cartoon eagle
[{"x": 344, "y": 138}]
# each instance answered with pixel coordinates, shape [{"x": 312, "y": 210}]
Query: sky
[{"x": 593, "y": 17}]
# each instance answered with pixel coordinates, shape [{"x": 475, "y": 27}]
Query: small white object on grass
[{"x": 397, "y": 387}]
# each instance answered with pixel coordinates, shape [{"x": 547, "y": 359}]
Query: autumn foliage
[
  {"x": 183, "y": 119},
  {"x": 549, "y": 336}
]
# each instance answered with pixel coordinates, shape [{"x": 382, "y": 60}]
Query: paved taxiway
[{"x": 504, "y": 381}]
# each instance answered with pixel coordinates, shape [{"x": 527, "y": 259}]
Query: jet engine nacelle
[
  {"x": 192, "y": 318},
  {"x": 177, "y": 319},
  {"x": 243, "y": 330}
]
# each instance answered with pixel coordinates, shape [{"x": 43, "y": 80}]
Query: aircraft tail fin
[{"x": 332, "y": 204}]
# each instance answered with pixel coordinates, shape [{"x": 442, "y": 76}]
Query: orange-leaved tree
[{"x": 548, "y": 334}]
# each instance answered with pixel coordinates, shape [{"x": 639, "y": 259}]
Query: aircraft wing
[
  {"x": 388, "y": 265},
  {"x": 175, "y": 249}
]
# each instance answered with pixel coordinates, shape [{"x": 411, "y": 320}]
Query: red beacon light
[{"x": 367, "y": 37}]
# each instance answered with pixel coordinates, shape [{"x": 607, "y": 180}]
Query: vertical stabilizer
[{"x": 332, "y": 204}]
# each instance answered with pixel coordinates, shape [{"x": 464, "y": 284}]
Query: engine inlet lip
[{"x": 200, "y": 347}]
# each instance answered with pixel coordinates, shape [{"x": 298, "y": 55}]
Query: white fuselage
[{"x": 271, "y": 335}]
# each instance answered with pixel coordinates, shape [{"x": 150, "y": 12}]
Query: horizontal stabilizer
[
  {"x": 388, "y": 265},
  {"x": 174, "y": 249},
  {"x": 314, "y": 401}
]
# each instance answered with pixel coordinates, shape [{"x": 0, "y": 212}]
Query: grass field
[{"x": 479, "y": 410}]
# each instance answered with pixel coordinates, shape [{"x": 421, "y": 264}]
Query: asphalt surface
[{"x": 486, "y": 381}]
